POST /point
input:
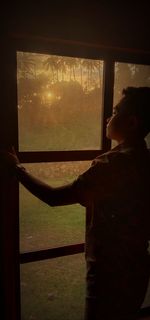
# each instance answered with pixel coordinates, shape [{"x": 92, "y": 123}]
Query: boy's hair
[{"x": 136, "y": 101}]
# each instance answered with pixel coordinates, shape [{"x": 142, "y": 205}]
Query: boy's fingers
[{"x": 12, "y": 150}]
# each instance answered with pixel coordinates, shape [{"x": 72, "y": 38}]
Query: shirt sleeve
[{"x": 94, "y": 184}]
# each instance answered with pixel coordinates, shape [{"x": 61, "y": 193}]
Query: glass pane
[
  {"x": 42, "y": 226},
  {"x": 54, "y": 289},
  {"x": 59, "y": 102},
  {"x": 127, "y": 75}
]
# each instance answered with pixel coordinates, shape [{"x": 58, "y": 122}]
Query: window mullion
[
  {"x": 39, "y": 255},
  {"x": 108, "y": 80},
  {"x": 57, "y": 156}
]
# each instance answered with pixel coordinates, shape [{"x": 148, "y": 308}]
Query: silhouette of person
[{"x": 115, "y": 192}]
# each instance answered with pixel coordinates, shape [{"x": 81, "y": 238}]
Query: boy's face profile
[{"x": 121, "y": 125}]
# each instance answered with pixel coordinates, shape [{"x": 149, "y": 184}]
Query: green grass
[
  {"x": 42, "y": 226},
  {"x": 51, "y": 289}
]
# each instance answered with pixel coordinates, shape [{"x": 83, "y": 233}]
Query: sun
[{"x": 49, "y": 95}]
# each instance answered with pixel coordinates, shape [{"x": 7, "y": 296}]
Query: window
[
  {"x": 59, "y": 102},
  {"x": 52, "y": 141},
  {"x": 60, "y": 111}
]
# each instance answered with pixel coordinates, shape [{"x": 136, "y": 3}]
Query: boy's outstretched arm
[{"x": 58, "y": 196}]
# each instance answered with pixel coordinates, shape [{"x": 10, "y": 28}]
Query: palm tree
[
  {"x": 52, "y": 63},
  {"x": 71, "y": 64},
  {"x": 91, "y": 67},
  {"x": 25, "y": 64},
  {"x": 62, "y": 66},
  {"x": 99, "y": 67}
]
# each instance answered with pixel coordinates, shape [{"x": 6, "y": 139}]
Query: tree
[
  {"x": 72, "y": 63},
  {"x": 26, "y": 65},
  {"x": 127, "y": 74},
  {"x": 51, "y": 63},
  {"x": 62, "y": 66},
  {"x": 92, "y": 67}
]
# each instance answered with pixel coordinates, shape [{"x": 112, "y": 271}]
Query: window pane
[
  {"x": 127, "y": 75},
  {"x": 42, "y": 226},
  {"x": 59, "y": 102},
  {"x": 54, "y": 289}
]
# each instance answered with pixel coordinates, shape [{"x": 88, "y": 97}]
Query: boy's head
[{"x": 131, "y": 116}]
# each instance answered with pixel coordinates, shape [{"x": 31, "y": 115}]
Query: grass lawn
[
  {"x": 51, "y": 289},
  {"x": 44, "y": 227}
]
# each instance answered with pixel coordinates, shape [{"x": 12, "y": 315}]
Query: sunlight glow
[{"x": 49, "y": 95}]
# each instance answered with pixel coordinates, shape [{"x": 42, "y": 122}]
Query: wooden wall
[{"x": 109, "y": 23}]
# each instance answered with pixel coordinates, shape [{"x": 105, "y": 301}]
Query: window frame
[
  {"x": 57, "y": 47},
  {"x": 77, "y": 155}
]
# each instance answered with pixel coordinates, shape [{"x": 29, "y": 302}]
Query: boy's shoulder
[
  {"x": 112, "y": 156},
  {"x": 124, "y": 157}
]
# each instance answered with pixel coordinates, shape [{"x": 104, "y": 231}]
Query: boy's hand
[{"x": 9, "y": 159}]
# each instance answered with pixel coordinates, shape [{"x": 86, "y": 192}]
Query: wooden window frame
[{"x": 11, "y": 256}]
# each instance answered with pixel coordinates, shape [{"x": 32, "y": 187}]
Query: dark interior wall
[{"x": 109, "y": 23}]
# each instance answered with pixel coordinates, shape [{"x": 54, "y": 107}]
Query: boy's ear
[{"x": 133, "y": 122}]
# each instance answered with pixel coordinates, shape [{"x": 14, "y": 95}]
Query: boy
[{"x": 115, "y": 192}]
